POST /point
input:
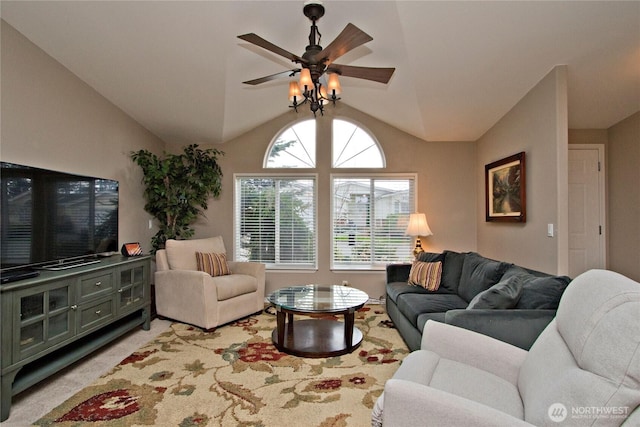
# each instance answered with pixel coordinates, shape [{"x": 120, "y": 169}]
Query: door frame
[{"x": 602, "y": 202}]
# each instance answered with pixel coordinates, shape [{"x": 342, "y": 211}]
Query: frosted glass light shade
[
  {"x": 418, "y": 225},
  {"x": 305, "y": 78},
  {"x": 294, "y": 90},
  {"x": 334, "y": 84}
]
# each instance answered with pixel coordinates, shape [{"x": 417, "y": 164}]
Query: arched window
[
  {"x": 294, "y": 147},
  {"x": 354, "y": 147}
]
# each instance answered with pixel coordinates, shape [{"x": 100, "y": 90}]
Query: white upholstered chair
[
  {"x": 584, "y": 369},
  {"x": 185, "y": 294}
]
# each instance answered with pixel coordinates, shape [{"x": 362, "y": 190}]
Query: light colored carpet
[{"x": 234, "y": 376}]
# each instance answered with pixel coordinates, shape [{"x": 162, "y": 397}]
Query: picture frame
[{"x": 505, "y": 189}]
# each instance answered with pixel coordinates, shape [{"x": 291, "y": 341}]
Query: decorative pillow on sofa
[
  {"x": 539, "y": 292},
  {"x": 479, "y": 274},
  {"x": 426, "y": 274},
  {"x": 504, "y": 294},
  {"x": 213, "y": 263}
]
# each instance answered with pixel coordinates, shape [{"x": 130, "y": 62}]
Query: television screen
[{"x": 48, "y": 216}]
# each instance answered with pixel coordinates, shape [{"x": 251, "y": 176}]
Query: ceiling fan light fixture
[
  {"x": 305, "y": 79},
  {"x": 316, "y": 61},
  {"x": 295, "y": 93},
  {"x": 334, "y": 84}
]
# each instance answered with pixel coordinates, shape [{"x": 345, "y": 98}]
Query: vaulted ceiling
[{"x": 177, "y": 67}]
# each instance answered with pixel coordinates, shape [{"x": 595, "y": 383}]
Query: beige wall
[
  {"x": 51, "y": 119},
  {"x": 537, "y": 125},
  {"x": 446, "y": 186},
  {"x": 623, "y": 188}
]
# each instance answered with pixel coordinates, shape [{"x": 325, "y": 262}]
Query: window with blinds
[
  {"x": 276, "y": 221},
  {"x": 369, "y": 217}
]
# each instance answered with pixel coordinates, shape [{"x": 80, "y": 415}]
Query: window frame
[
  {"x": 366, "y": 131},
  {"x": 373, "y": 266},
  {"x": 237, "y": 177},
  {"x": 267, "y": 154}
]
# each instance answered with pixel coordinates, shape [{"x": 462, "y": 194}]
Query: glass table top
[{"x": 318, "y": 298}]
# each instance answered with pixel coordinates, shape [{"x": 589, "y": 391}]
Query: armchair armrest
[
  {"x": 398, "y": 272},
  {"x": 189, "y": 296},
  {"x": 255, "y": 269},
  {"x": 409, "y": 404},
  {"x": 517, "y": 327},
  {"x": 474, "y": 349}
]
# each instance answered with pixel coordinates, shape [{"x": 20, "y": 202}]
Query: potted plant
[{"x": 177, "y": 189}]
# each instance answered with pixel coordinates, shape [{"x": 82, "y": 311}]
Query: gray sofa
[{"x": 512, "y": 304}]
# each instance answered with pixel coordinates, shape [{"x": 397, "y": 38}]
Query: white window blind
[
  {"x": 276, "y": 221},
  {"x": 369, "y": 217}
]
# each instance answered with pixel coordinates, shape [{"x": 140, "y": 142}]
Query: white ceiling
[{"x": 177, "y": 66}]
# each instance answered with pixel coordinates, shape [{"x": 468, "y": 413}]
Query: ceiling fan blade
[
  {"x": 259, "y": 41},
  {"x": 382, "y": 75},
  {"x": 350, "y": 38},
  {"x": 264, "y": 79}
]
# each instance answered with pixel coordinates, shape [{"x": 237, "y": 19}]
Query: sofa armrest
[
  {"x": 398, "y": 272},
  {"x": 409, "y": 404},
  {"x": 474, "y": 349},
  {"x": 517, "y": 327}
]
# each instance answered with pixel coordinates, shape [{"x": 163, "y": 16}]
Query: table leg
[
  {"x": 280, "y": 326},
  {"x": 349, "y": 319}
]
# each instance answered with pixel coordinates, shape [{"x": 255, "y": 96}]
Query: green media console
[{"x": 55, "y": 319}]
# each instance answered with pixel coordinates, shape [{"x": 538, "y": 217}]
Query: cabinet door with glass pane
[
  {"x": 132, "y": 286},
  {"x": 44, "y": 317}
]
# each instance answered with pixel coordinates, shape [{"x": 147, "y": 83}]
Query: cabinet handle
[
  {"x": 98, "y": 312},
  {"x": 74, "y": 307},
  {"x": 121, "y": 290},
  {"x": 98, "y": 283}
]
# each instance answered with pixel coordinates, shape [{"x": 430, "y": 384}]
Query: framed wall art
[{"x": 505, "y": 189}]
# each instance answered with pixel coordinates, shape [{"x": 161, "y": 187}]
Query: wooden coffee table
[{"x": 317, "y": 337}]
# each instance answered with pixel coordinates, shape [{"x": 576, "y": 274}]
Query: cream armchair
[{"x": 185, "y": 294}]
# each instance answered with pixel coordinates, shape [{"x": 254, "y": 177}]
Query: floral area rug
[{"x": 234, "y": 376}]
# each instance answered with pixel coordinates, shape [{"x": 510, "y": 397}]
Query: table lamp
[{"x": 418, "y": 227}]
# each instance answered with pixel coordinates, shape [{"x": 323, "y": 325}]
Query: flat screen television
[{"x": 51, "y": 219}]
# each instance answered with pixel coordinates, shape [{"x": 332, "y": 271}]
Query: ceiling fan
[{"x": 316, "y": 61}]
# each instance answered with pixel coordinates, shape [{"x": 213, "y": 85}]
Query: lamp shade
[
  {"x": 294, "y": 90},
  {"x": 305, "y": 78},
  {"x": 334, "y": 83},
  {"x": 418, "y": 225}
]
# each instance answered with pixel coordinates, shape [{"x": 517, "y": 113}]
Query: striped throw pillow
[
  {"x": 426, "y": 274},
  {"x": 213, "y": 264}
]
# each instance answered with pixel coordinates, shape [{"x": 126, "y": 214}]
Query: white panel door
[{"x": 586, "y": 209}]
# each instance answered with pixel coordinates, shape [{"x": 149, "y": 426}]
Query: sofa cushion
[
  {"x": 212, "y": 263},
  {"x": 479, "y": 274},
  {"x": 539, "y": 292},
  {"x": 180, "y": 252},
  {"x": 414, "y": 304},
  {"x": 503, "y": 295},
  {"x": 451, "y": 270},
  {"x": 422, "y": 319},
  {"x": 398, "y": 288},
  {"x": 430, "y": 257},
  {"x": 426, "y": 274}
]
